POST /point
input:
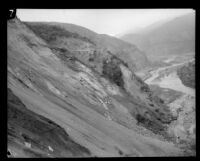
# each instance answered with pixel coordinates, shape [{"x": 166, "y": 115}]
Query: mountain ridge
[
  {"x": 127, "y": 52},
  {"x": 174, "y": 37}
]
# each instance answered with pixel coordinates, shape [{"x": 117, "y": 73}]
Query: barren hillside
[{"x": 71, "y": 96}]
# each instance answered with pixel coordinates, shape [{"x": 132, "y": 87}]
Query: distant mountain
[
  {"x": 142, "y": 30},
  {"x": 174, "y": 37},
  {"x": 135, "y": 30},
  {"x": 154, "y": 26}
]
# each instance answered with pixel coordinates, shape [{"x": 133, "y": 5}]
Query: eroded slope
[{"x": 98, "y": 106}]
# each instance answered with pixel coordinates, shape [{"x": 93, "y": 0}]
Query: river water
[
  {"x": 184, "y": 127},
  {"x": 171, "y": 81}
]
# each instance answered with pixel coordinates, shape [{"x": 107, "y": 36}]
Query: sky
[{"x": 103, "y": 21}]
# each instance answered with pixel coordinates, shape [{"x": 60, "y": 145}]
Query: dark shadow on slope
[
  {"x": 27, "y": 126},
  {"x": 111, "y": 70}
]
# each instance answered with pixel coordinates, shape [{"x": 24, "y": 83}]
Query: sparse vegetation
[
  {"x": 140, "y": 118},
  {"x": 27, "y": 40},
  {"x": 154, "y": 126},
  {"x": 145, "y": 89},
  {"x": 151, "y": 104},
  {"x": 84, "y": 96},
  {"x": 187, "y": 75},
  {"x": 91, "y": 59},
  {"x": 112, "y": 71},
  {"x": 50, "y": 33},
  {"x": 66, "y": 57}
]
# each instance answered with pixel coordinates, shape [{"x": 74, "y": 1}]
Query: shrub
[
  {"x": 140, "y": 118},
  {"x": 144, "y": 88},
  {"x": 151, "y": 104},
  {"x": 91, "y": 59},
  {"x": 112, "y": 71}
]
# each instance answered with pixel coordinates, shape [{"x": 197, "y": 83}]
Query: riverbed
[
  {"x": 183, "y": 128},
  {"x": 170, "y": 80}
]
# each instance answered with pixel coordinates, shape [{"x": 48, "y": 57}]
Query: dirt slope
[{"x": 98, "y": 113}]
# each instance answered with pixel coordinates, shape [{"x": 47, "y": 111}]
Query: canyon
[{"x": 75, "y": 93}]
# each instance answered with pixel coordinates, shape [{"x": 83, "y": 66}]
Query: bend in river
[{"x": 170, "y": 80}]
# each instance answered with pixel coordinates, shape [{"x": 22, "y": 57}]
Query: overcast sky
[{"x": 102, "y": 21}]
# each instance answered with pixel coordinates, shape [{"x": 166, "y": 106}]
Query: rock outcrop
[{"x": 187, "y": 75}]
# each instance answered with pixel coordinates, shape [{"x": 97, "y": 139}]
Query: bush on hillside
[
  {"x": 187, "y": 75},
  {"x": 112, "y": 71}
]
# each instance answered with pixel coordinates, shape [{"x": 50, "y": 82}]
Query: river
[
  {"x": 183, "y": 108},
  {"x": 171, "y": 80}
]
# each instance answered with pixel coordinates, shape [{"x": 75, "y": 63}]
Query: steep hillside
[
  {"x": 103, "y": 107},
  {"x": 187, "y": 75},
  {"x": 129, "y": 53},
  {"x": 28, "y": 129},
  {"x": 176, "y": 36}
]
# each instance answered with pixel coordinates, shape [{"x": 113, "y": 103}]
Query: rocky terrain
[
  {"x": 187, "y": 74},
  {"x": 166, "y": 84},
  {"x": 75, "y": 95}
]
